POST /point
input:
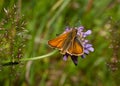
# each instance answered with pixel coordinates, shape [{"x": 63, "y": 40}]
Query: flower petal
[
  {"x": 75, "y": 59},
  {"x": 67, "y": 29},
  {"x": 85, "y": 41},
  {"x": 88, "y": 45},
  {"x": 83, "y": 56},
  {"x": 87, "y": 33},
  {"x": 91, "y": 49},
  {"x": 65, "y": 57},
  {"x": 86, "y": 51},
  {"x": 80, "y": 29}
]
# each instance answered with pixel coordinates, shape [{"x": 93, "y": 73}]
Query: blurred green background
[{"x": 27, "y": 25}]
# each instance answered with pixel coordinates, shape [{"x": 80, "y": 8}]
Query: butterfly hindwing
[{"x": 75, "y": 48}]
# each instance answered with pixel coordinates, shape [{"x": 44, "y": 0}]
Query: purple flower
[
  {"x": 87, "y": 33},
  {"x": 67, "y": 29},
  {"x": 73, "y": 57},
  {"x": 65, "y": 57},
  {"x": 87, "y": 47}
]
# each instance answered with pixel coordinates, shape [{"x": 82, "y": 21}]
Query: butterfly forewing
[{"x": 59, "y": 41}]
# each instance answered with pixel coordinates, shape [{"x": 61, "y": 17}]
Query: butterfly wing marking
[
  {"x": 75, "y": 48},
  {"x": 58, "y": 41}
]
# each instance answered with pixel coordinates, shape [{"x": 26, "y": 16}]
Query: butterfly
[{"x": 68, "y": 42}]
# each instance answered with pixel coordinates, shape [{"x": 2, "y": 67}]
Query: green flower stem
[
  {"x": 38, "y": 57},
  {"x": 28, "y": 59}
]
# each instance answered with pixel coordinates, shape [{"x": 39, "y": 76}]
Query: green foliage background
[{"x": 43, "y": 20}]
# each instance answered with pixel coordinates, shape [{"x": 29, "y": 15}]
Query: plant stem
[
  {"x": 29, "y": 59},
  {"x": 38, "y": 57}
]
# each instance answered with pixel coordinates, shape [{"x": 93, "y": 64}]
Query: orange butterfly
[{"x": 68, "y": 42}]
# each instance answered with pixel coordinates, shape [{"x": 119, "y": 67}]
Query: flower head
[{"x": 86, "y": 46}]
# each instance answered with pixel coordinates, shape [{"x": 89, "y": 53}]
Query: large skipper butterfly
[{"x": 68, "y": 42}]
